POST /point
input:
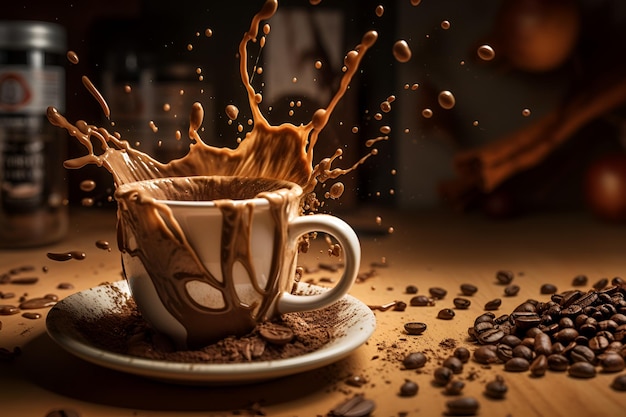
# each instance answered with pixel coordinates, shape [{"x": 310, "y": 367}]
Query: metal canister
[{"x": 33, "y": 191}]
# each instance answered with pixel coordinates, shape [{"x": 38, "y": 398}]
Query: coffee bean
[
  {"x": 582, "y": 370},
  {"x": 442, "y": 376},
  {"x": 421, "y": 301},
  {"x": 619, "y": 383},
  {"x": 276, "y": 334},
  {"x": 466, "y": 406},
  {"x": 566, "y": 335},
  {"x": 415, "y": 328},
  {"x": 601, "y": 283},
  {"x": 557, "y": 362},
  {"x": 468, "y": 289},
  {"x": 511, "y": 290},
  {"x": 485, "y": 317},
  {"x": 504, "y": 277},
  {"x": 523, "y": 351},
  {"x": 411, "y": 289},
  {"x": 516, "y": 365},
  {"x": 542, "y": 344},
  {"x": 8, "y": 310},
  {"x": 485, "y": 355},
  {"x": 611, "y": 362},
  {"x": 356, "y": 406},
  {"x": 580, "y": 281},
  {"x": 493, "y": 304},
  {"x": 504, "y": 352},
  {"x": 408, "y": 389},
  {"x": 454, "y": 387},
  {"x": 547, "y": 289},
  {"x": 511, "y": 340},
  {"x": 581, "y": 353},
  {"x": 454, "y": 364},
  {"x": 497, "y": 388},
  {"x": 490, "y": 336},
  {"x": 539, "y": 366},
  {"x": 446, "y": 314},
  {"x": 461, "y": 303},
  {"x": 400, "y": 306},
  {"x": 437, "y": 293},
  {"x": 462, "y": 353},
  {"x": 414, "y": 360}
]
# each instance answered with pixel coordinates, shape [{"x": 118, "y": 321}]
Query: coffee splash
[{"x": 147, "y": 226}]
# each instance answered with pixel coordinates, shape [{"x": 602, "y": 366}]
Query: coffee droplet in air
[
  {"x": 401, "y": 51},
  {"x": 445, "y": 25},
  {"x": 415, "y": 2},
  {"x": 336, "y": 190},
  {"x": 427, "y": 113},
  {"x": 87, "y": 185},
  {"x": 96, "y": 94},
  {"x": 232, "y": 111},
  {"x": 446, "y": 100},
  {"x": 72, "y": 57},
  {"x": 380, "y": 10},
  {"x": 486, "y": 53},
  {"x": 526, "y": 112}
]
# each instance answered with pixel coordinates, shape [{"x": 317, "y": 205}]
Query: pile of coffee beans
[{"x": 578, "y": 332}]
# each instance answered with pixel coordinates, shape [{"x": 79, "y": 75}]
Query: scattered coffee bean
[
  {"x": 485, "y": 355},
  {"x": 542, "y": 344},
  {"x": 442, "y": 376},
  {"x": 619, "y": 383},
  {"x": 454, "y": 364},
  {"x": 31, "y": 316},
  {"x": 516, "y": 364},
  {"x": 493, "y": 304},
  {"x": 547, "y": 289},
  {"x": 462, "y": 353},
  {"x": 504, "y": 352},
  {"x": 421, "y": 301},
  {"x": 557, "y": 362},
  {"x": 437, "y": 293},
  {"x": 400, "y": 306},
  {"x": 414, "y": 360},
  {"x": 357, "y": 406},
  {"x": 415, "y": 328},
  {"x": 408, "y": 389},
  {"x": 601, "y": 283},
  {"x": 468, "y": 289},
  {"x": 461, "y": 303},
  {"x": 611, "y": 362},
  {"x": 276, "y": 334},
  {"x": 8, "y": 310},
  {"x": 446, "y": 314},
  {"x": 579, "y": 281},
  {"x": 504, "y": 277},
  {"x": 490, "y": 336},
  {"x": 581, "y": 370},
  {"x": 466, "y": 406},
  {"x": 454, "y": 387},
  {"x": 411, "y": 289},
  {"x": 539, "y": 366},
  {"x": 497, "y": 388},
  {"x": 511, "y": 290}
]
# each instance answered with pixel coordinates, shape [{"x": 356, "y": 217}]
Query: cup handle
[{"x": 347, "y": 238}]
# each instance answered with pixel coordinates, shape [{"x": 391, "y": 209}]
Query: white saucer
[{"x": 354, "y": 329}]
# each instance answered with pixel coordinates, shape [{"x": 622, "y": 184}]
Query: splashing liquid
[{"x": 145, "y": 226}]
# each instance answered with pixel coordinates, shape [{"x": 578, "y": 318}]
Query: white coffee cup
[{"x": 209, "y": 257}]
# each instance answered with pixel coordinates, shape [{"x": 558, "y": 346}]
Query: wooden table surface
[{"x": 426, "y": 249}]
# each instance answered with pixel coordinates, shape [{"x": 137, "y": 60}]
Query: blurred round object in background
[
  {"x": 605, "y": 187},
  {"x": 537, "y": 35}
]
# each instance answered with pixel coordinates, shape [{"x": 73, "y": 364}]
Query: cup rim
[{"x": 287, "y": 187}]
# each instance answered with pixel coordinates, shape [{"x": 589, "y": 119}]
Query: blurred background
[{"x": 539, "y": 125}]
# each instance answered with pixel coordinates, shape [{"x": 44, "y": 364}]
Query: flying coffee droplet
[
  {"x": 127, "y": 89},
  {"x": 446, "y": 100},
  {"x": 208, "y": 32},
  {"x": 401, "y": 51},
  {"x": 167, "y": 107},
  {"x": 415, "y": 2},
  {"x": 526, "y": 112},
  {"x": 486, "y": 53},
  {"x": 318, "y": 64},
  {"x": 385, "y": 130},
  {"x": 72, "y": 57},
  {"x": 445, "y": 25},
  {"x": 336, "y": 190},
  {"x": 87, "y": 185},
  {"x": 380, "y": 10},
  {"x": 87, "y": 202},
  {"x": 385, "y": 106},
  {"x": 267, "y": 28},
  {"x": 427, "y": 113}
]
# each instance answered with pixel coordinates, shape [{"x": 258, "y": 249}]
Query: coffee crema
[{"x": 276, "y": 153}]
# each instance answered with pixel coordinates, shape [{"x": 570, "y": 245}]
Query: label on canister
[{"x": 28, "y": 90}]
